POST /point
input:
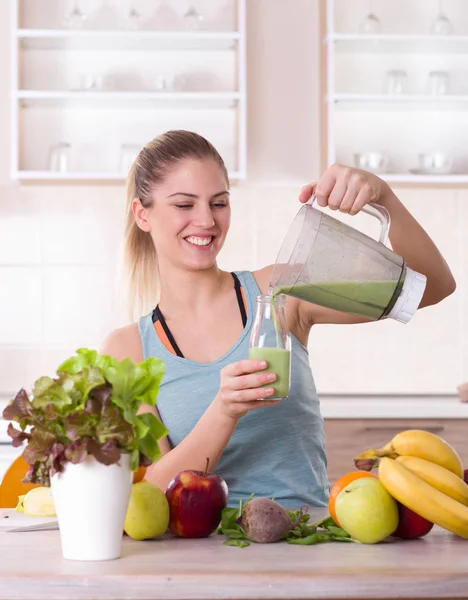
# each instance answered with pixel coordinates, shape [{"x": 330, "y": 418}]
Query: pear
[{"x": 147, "y": 513}]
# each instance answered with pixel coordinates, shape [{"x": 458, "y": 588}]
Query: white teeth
[{"x": 199, "y": 241}]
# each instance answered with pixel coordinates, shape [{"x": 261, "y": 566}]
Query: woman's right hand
[{"x": 241, "y": 388}]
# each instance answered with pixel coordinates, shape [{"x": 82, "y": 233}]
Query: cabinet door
[{"x": 345, "y": 438}]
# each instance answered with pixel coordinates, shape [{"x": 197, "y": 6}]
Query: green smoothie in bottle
[{"x": 270, "y": 341}]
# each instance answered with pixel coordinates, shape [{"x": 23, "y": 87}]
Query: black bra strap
[
  {"x": 240, "y": 300},
  {"x": 158, "y": 316}
]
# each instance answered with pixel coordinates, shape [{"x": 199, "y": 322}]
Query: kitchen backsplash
[{"x": 59, "y": 287}]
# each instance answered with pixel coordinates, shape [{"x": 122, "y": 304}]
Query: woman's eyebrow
[{"x": 187, "y": 195}]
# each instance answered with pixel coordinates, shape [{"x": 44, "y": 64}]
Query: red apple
[
  {"x": 410, "y": 524},
  {"x": 465, "y": 475},
  {"x": 196, "y": 499}
]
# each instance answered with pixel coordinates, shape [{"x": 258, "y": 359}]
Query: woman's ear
[{"x": 141, "y": 215}]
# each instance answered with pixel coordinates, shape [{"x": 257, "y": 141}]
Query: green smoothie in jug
[
  {"x": 278, "y": 360},
  {"x": 364, "y": 298}
]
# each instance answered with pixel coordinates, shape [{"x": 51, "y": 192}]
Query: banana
[
  {"x": 422, "y": 498},
  {"x": 442, "y": 479},
  {"x": 414, "y": 442}
]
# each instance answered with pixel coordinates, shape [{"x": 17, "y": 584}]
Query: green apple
[
  {"x": 148, "y": 512},
  {"x": 366, "y": 510}
]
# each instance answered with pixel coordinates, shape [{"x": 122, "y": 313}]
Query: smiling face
[{"x": 190, "y": 215}]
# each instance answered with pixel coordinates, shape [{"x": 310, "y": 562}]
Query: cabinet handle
[{"x": 394, "y": 430}]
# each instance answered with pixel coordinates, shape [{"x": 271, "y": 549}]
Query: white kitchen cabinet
[
  {"x": 362, "y": 117},
  {"x": 103, "y": 88}
]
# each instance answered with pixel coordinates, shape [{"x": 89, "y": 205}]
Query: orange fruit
[
  {"x": 339, "y": 485},
  {"x": 12, "y": 486},
  {"x": 139, "y": 474}
]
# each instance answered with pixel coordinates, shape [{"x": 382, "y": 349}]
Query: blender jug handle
[{"x": 381, "y": 213}]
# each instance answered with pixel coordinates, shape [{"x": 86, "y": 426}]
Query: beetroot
[{"x": 265, "y": 521}]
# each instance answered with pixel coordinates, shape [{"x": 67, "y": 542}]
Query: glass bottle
[{"x": 270, "y": 340}]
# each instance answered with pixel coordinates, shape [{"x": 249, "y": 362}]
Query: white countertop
[
  {"x": 392, "y": 407},
  {"x": 364, "y": 407}
]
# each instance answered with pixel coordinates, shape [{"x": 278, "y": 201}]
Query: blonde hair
[{"x": 150, "y": 167}]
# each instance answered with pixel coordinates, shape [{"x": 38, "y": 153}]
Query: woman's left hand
[{"x": 345, "y": 189}]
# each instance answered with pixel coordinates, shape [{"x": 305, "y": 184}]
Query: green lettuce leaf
[{"x": 90, "y": 408}]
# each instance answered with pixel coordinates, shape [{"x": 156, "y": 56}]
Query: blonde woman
[{"x": 198, "y": 319}]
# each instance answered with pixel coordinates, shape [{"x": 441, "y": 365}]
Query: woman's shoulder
[
  {"x": 124, "y": 342},
  {"x": 262, "y": 277}
]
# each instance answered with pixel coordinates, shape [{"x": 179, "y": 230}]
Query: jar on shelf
[
  {"x": 270, "y": 340},
  {"x": 396, "y": 82}
]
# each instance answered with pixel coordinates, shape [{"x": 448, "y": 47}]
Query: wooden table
[{"x": 32, "y": 567}]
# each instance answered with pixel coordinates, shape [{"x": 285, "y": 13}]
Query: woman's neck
[{"x": 187, "y": 292}]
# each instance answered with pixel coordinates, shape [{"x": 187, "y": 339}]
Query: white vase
[{"x": 91, "y": 501}]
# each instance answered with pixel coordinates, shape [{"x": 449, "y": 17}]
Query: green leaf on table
[{"x": 238, "y": 543}]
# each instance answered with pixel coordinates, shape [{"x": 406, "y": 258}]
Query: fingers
[
  {"x": 345, "y": 189},
  {"x": 361, "y": 200},
  {"x": 325, "y": 186},
  {"x": 255, "y": 380},
  {"x": 337, "y": 194},
  {"x": 259, "y": 404},
  {"x": 306, "y": 192},
  {"x": 244, "y": 386},
  {"x": 243, "y": 367}
]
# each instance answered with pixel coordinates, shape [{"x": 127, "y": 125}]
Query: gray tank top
[{"x": 275, "y": 452}]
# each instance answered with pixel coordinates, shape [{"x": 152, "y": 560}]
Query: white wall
[{"x": 58, "y": 244}]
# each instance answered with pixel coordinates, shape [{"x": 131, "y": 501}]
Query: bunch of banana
[{"x": 423, "y": 472}]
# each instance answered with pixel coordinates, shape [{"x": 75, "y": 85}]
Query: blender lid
[{"x": 410, "y": 297}]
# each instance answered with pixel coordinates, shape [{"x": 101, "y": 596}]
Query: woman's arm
[
  {"x": 239, "y": 393},
  {"x": 348, "y": 190}
]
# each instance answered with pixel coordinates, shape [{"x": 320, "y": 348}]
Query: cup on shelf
[
  {"x": 163, "y": 83},
  {"x": 59, "y": 157},
  {"x": 90, "y": 82},
  {"x": 75, "y": 18},
  {"x": 132, "y": 20},
  {"x": 375, "y": 162},
  {"x": 169, "y": 83},
  {"x": 193, "y": 18},
  {"x": 371, "y": 24},
  {"x": 396, "y": 82},
  {"x": 442, "y": 24},
  {"x": 127, "y": 154},
  {"x": 434, "y": 162},
  {"x": 438, "y": 83}
]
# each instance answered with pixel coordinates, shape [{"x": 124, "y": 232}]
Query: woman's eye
[
  {"x": 184, "y": 206},
  {"x": 219, "y": 205}
]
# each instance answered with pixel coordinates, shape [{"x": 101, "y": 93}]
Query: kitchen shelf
[
  {"x": 400, "y": 43},
  {"x": 51, "y": 67},
  {"x": 126, "y": 99},
  {"x": 361, "y": 119},
  {"x": 451, "y": 178},
  {"x": 400, "y": 98},
  {"x": 113, "y": 177},
  {"x": 64, "y": 39}
]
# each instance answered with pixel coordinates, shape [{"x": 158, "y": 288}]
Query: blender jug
[{"x": 329, "y": 263}]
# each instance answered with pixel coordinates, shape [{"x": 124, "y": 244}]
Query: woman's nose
[{"x": 203, "y": 216}]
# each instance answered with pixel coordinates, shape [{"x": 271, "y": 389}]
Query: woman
[{"x": 213, "y": 401}]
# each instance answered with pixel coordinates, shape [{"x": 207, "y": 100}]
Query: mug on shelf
[
  {"x": 438, "y": 83},
  {"x": 59, "y": 157},
  {"x": 434, "y": 162},
  {"x": 371, "y": 161},
  {"x": 396, "y": 82}
]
